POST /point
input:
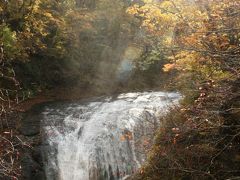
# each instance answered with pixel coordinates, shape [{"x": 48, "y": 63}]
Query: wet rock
[
  {"x": 37, "y": 155},
  {"x": 30, "y": 125},
  {"x": 39, "y": 176},
  {"x": 29, "y": 167},
  {"x": 31, "y": 161}
]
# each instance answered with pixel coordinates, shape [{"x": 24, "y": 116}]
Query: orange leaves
[
  {"x": 168, "y": 67},
  {"x": 146, "y": 142},
  {"x": 192, "y": 40},
  {"x": 126, "y": 136},
  {"x": 197, "y": 32},
  {"x": 141, "y": 171},
  {"x": 174, "y": 141},
  {"x": 175, "y": 130}
]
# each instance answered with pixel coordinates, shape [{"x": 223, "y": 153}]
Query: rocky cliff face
[{"x": 31, "y": 159}]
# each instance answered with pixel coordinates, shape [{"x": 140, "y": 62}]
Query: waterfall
[{"x": 96, "y": 139}]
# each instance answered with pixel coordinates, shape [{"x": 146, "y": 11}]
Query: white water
[{"x": 96, "y": 140}]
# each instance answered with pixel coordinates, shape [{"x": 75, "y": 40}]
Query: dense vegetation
[
  {"x": 201, "y": 138},
  {"x": 66, "y": 43}
]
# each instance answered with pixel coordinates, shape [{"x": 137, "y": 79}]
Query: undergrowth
[{"x": 199, "y": 140}]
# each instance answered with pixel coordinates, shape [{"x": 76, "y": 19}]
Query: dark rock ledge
[{"x": 30, "y": 130}]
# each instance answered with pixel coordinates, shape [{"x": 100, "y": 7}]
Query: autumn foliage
[
  {"x": 200, "y": 39},
  {"x": 44, "y": 43}
]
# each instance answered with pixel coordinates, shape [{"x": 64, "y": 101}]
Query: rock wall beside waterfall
[{"x": 31, "y": 159}]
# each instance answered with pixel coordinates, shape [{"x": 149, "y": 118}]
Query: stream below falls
[{"x": 101, "y": 138}]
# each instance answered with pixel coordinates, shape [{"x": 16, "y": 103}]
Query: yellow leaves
[
  {"x": 133, "y": 10},
  {"x": 35, "y": 7},
  {"x": 184, "y": 55},
  {"x": 167, "y": 4},
  {"x": 195, "y": 63},
  {"x": 194, "y": 28},
  {"x": 148, "y": 1},
  {"x": 168, "y": 40},
  {"x": 154, "y": 18},
  {"x": 187, "y": 61},
  {"x": 47, "y": 14}
]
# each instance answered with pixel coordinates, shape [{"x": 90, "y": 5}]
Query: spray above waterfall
[{"x": 126, "y": 65}]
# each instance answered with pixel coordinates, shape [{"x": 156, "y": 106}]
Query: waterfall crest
[{"x": 96, "y": 139}]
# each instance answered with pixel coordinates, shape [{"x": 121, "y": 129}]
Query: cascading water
[{"x": 96, "y": 139}]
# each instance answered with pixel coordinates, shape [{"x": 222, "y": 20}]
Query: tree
[{"x": 203, "y": 46}]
